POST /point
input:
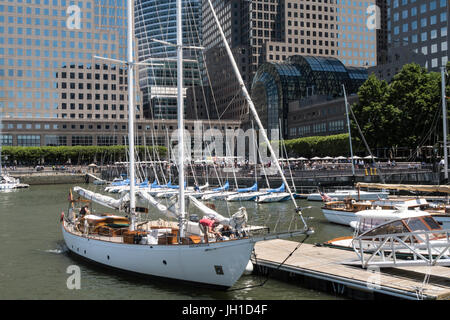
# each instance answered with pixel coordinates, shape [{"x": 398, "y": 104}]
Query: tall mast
[
  {"x": 444, "y": 120},
  {"x": 180, "y": 101},
  {"x": 253, "y": 110},
  {"x": 349, "y": 132},
  {"x": 130, "y": 66},
  {"x": 1, "y": 140}
]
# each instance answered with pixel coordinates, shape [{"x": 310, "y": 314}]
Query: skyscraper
[
  {"x": 261, "y": 31},
  {"x": 417, "y": 32},
  {"x": 156, "y": 20},
  {"x": 47, "y": 64}
]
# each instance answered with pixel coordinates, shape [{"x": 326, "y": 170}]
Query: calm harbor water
[{"x": 34, "y": 260}]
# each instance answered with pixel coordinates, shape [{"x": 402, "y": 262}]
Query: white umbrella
[
  {"x": 355, "y": 157},
  {"x": 292, "y": 159},
  {"x": 316, "y": 158},
  {"x": 302, "y": 159},
  {"x": 370, "y": 157},
  {"x": 340, "y": 158},
  {"x": 327, "y": 158}
]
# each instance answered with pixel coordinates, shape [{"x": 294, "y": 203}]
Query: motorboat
[{"x": 396, "y": 238}]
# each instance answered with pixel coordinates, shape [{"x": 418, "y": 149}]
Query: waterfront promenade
[{"x": 318, "y": 174}]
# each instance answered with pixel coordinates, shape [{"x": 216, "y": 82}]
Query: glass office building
[
  {"x": 47, "y": 64},
  {"x": 277, "y": 84},
  {"x": 356, "y": 42},
  {"x": 156, "y": 19}
]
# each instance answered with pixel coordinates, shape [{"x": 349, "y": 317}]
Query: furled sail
[
  {"x": 224, "y": 188},
  {"x": 280, "y": 189},
  {"x": 408, "y": 187},
  {"x": 252, "y": 188},
  {"x": 102, "y": 199},
  {"x": 168, "y": 211},
  {"x": 207, "y": 210},
  {"x": 237, "y": 221}
]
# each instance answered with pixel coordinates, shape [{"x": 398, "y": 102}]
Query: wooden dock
[{"x": 324, "y": 269}]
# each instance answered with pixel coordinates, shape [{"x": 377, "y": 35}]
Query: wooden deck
[{"x": 324, "y": 268}]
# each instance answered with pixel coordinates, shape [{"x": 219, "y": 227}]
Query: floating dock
[{"x": 324, "y": 269}]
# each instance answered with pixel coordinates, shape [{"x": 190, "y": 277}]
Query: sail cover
[
  {"x": 225, "y": 187},
  {"x": 408, "y": 187},
  {"x": 169, "y": 212},
  {"x": 171, "y": 186},
  {"x": 208, "y": 211},
  {"x": 102, "y": 199},
  {"x": 280, "y": 189},
  {"x": 252, "y": 188}
]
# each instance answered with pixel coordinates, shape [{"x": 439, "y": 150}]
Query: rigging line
[
  {"x": 204, "y": 95},
  {"x": 237, "y": 93},
  {"x": 151, "y": 109},
  {"x": 365, "y": 142},
  {"x": 271, "y": 270},
  {"x": 283, "y": 145},
  {"x": 207, "y": 109}
]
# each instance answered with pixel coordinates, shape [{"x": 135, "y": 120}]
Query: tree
[
  {"x": 400, "y": 113},
  {"x": 376, "y": 117}
]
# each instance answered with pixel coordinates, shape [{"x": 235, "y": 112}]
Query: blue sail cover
[
  {"x": 171, "y": 186},
  {"x": 252, "y": 188},
  {"x": 121, "y": 183},
  {"x": 280, "y": 189},
  {"x": 223, "y": 188}
]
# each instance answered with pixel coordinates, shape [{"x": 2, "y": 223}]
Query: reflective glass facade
[
  {"x": 156, "y": 19},
  {"x": 276, "y": 84},
  {"x": 47, "y": 64}
]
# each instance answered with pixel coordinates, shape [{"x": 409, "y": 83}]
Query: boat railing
[
  {"x": 122, "y": 235},
  {"x": 422, "y": 248}
]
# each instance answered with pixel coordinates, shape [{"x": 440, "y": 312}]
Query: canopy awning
[{"x": 408, "y": 187}]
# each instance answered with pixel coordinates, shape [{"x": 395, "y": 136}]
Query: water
[{"x": 34, "y": 259}]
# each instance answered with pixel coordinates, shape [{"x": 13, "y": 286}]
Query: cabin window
[
  {"x": 394, "y": 227},
  {"x": 432, "y": 223},
  {"x": 416, "y": 225}
]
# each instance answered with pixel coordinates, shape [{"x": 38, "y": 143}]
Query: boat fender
[
  {"x": 249, "y": 268},
  {"x": 62, "y": 217}
]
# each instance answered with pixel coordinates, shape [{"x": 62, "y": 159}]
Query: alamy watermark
[
  {"x": 374, "y": 19},
  {"x": 74, "y": 19},
  {"x": 74, "y": 280}
]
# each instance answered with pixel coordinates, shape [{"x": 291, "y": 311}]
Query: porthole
[{"x": 164, "y": 262}]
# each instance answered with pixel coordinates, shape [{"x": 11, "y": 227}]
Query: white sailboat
[
  {"x": 167, "y": 249},
  {"x": 6, "y": 181}
]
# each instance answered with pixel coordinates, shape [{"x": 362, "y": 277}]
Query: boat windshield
[
  {"x": 390, "y": 228},
  {"x": 415, "y": 224},
  {"x": 433, "y": 224}
]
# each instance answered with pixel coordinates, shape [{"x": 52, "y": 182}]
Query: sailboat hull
[
  {"x": 245, "y": 196},
  {"x": 218, "y": 264}
]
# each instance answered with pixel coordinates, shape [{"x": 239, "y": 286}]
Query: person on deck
[
  {"x": 84, "y": 211},
  {"x": 208, "y": 226}
]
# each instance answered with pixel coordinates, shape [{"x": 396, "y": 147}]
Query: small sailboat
[
  {"x": 274, "y": 195},
  {"x": 177, "y": 249},
  {"x": 246, "y": 194}
]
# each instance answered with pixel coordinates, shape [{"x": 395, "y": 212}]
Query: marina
[
  {"x": 326, "y": 271},
  {"x": 329, "y": 187}
]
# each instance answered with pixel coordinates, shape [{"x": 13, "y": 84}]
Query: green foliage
[
  {"x": 333, "y": 146},
  {"x": 75, "y": 154},
  {"x": 400, "y": 113}
]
